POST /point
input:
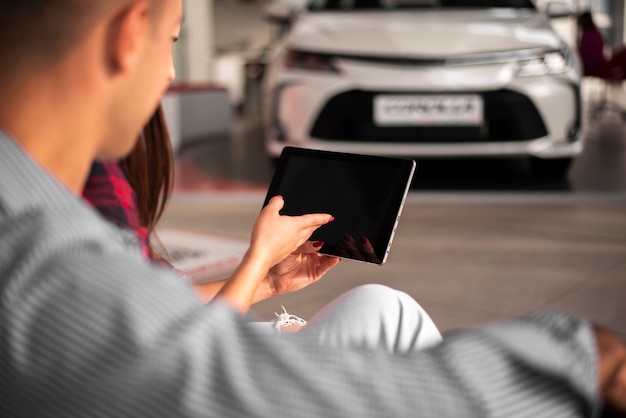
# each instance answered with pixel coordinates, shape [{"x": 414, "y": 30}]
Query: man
[{"x": 87, "y": 328}]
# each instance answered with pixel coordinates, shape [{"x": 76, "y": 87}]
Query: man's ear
[{"x": 127, "y": 35}]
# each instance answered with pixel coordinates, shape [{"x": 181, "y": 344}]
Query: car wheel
[{"x": 552, "y": 168}]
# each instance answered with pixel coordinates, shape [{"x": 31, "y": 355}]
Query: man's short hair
[{"x": 33, "y": 32}]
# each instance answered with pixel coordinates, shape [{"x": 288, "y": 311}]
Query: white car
[{"x": 424, "y": 78}]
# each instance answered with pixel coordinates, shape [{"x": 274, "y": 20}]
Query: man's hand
[{"x": 611, "y": 372}]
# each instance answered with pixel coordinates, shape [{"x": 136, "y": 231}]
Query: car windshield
[{"x": 328, "y": 5}]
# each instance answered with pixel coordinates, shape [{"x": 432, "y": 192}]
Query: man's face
[
  {"x": 149, "y": 81},
  {"x": 160, "y": 63}
]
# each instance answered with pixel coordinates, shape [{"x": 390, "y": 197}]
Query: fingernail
[
  {"x": 318, "y": 244},
  {"x": 332, "y": 218},
  {"x": 364, "y": 240},
  {"x": 280, "y": 196}
]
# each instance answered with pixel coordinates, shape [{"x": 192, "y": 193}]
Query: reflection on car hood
[{"x": 422, "y": 33}]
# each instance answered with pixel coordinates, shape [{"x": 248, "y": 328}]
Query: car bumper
[
  {"x": 541, "y": 148},
  {"x": 542, "y": 120}
]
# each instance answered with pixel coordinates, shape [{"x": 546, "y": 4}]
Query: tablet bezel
[{"x": 400, "y": 188}]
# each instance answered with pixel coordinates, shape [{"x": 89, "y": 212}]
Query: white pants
[{"x": 374, "y": 316}]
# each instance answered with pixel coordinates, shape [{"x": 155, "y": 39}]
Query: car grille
[{"x": 508, "y": 116}]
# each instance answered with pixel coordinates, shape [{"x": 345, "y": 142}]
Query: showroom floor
[{"x": 477, "y": 241}]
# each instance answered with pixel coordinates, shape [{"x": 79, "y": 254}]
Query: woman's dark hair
[
  {"x": 585, "y": 20},
  {"x": 150, "y": 170}
]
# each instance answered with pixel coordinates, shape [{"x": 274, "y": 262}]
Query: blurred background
[{"x": 519, "y": 199}]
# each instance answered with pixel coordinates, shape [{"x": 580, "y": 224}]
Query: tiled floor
[
  {"x": 476, "y": 242},
  {"x": 467, "y": 262}
]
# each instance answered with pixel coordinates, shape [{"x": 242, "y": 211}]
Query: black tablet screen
[{"x": 364, "y": 193}]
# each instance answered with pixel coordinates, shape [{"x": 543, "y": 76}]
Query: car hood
[{"x": 422, "y": 33}]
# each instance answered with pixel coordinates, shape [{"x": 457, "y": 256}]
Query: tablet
[{"x": 364, "y": 193}]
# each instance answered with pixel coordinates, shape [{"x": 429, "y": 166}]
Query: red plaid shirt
[{"x": 109, "y": 192}]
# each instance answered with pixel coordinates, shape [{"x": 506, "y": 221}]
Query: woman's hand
[
  {"x": 274, "y": 236},
  {"x": 298, "y": 270},
  {"x": 274, "y": 244}
]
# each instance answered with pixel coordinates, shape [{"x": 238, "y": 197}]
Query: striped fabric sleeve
[{"x": 83, "y": 341}]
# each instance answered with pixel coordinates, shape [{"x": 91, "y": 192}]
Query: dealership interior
[{"x": 479, "y": 239}]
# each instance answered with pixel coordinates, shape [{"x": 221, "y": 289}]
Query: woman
[
  {"x": 591, "y": 48},
  {"x": 133, "y": 194}
]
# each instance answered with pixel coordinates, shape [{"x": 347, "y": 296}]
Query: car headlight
[
  {"x": 553, "y": 62},
  {"x": 310, "y": 61}
]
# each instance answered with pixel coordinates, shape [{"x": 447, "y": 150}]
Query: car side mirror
[{"x": 559, "y": 9}]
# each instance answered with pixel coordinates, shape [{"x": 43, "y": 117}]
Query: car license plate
[{"x": 428, "y": 110}]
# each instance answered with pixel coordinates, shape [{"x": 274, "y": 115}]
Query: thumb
[{"x": 276, "y": 203}]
